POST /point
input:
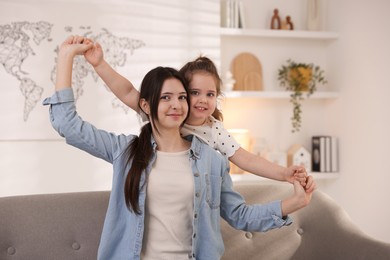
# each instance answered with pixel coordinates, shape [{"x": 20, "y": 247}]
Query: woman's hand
[
  {"x": 72, "y": 46},
  {"x": 301, "y": 198},
  {"x": 75, "y": 45}
]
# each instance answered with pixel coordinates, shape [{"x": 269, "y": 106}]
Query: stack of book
[
  {"x": 325, "y": 154},
  {"x": 232, "y": 14}
]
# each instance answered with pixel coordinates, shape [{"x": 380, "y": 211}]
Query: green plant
[{"x": 299, "y": 78}]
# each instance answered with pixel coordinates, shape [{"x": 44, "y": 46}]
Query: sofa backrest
[
  {"x": 52, "y": 226},
  {"x": 68, "y": 226}
]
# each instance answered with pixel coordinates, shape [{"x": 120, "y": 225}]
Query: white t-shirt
[
  {"x": 169, "y": 208},
  {"x": 214, "y": 134}
]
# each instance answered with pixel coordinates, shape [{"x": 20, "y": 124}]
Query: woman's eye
[
  {"x": 164, "y": 97},
  {"x": 183, "y": 97}
]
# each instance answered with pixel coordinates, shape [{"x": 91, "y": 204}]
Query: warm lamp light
[{"x": 243, "y": 138}]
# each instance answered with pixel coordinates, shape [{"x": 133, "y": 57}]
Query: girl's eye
[
  {"x": 211, "y": 94},
  {"x": 194, "y": 92}
]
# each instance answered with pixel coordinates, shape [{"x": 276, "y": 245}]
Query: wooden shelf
[
  {"x": 313, "y": 35},
  {"x": 277, "y": 94},
  {"x": 248, "y": 177}
]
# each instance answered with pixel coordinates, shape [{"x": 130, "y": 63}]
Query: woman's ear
[{"x": 144, "y": 106}]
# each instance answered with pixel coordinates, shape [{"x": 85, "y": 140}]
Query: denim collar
[{"x": 195, "y": 148}]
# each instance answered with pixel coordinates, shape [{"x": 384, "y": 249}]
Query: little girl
[{"x": 205, "y": 120}]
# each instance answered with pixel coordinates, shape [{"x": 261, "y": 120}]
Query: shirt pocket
[{"x": 213, "y": 191}]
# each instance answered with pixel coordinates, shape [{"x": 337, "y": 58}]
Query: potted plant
[{"x": 299, "y": 78}]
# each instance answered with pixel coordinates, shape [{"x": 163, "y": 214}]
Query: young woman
[
  {"x": 205, "y": 120},
  {"x": 160, "y": 210}
]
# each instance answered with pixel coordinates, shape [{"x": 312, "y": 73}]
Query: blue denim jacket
[{"x": 214, "y": 196}]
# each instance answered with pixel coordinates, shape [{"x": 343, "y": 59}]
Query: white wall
[
  {"x": 359, "y": 67},
  {"x": 360, "y": 63},
  {"x": 33, "y": 158}
]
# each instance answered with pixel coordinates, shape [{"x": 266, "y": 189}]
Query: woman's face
[
  {"x": 203, "y": 98},
  {"x": 173, "y": 107}
]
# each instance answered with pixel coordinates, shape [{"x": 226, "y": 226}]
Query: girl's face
[
  {"x": 173, "y": 107},
  {"x": 203, "y": 98}
]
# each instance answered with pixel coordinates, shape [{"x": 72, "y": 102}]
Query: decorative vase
[
  {"x": 313, "y": 15},
  {"x": 300, "y": 76}
]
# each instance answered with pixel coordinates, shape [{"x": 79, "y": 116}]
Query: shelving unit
[
  {"x": 277, "y": 94},
  {"x": 308, "y": 35},
  {"x": 273, "y": 47},
  {"x": 248, "y": 177}
]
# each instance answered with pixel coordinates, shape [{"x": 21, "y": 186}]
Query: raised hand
[
  {"x": 75, "y": 45},
  {"x": 94, "y": 55},
  {"x": 72, "y": 46}
]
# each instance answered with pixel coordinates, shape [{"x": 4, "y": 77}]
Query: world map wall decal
[{"x": 19, "y": 39}]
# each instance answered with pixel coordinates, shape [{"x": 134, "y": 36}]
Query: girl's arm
[
  {"x": 119, "y": 85},
  {"x": 258, "y": 165}
]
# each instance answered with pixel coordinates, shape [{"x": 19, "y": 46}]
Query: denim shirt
[{"x": 214, "y": 196}]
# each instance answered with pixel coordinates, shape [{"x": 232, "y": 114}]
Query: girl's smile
[{"x": 203, "y": 98}]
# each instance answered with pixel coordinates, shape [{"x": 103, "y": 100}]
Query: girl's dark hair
[
  {"x": 204, "y": 65},
  {"x": 140, "y": 150}
]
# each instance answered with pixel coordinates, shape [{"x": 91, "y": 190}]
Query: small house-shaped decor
[{"x": 298, "y": 155}]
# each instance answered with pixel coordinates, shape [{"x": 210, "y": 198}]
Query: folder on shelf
[
  {"x": 324, "y": 154},
  {"x": 334, "y": 155}
]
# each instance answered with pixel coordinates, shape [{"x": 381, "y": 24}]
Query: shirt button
[
  {"x": 194, "y": 235},
  {"x": 196, "y": 215},
  {"x": 197, "y": 194},
  {"x": 196, "y": 174}
]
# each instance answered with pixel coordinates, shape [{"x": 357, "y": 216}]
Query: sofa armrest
[
  {"x": 329, "y": 233},
  {"x": 322, "y": 230}
]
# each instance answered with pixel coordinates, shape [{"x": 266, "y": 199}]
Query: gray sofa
[{"x": 68, "y": 226}]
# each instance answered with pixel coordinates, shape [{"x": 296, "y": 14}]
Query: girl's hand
[
  {"x": 296, "y": 173},
  {"x": 94, "y": 55}
]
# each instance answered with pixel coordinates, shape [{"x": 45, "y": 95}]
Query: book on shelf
[
  {"x": 232, "y": 14},
  {"x": 324, "y": 154}
]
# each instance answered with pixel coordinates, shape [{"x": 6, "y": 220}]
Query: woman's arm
[
  {"x": 72, "y": 46},
  {"x": 63, "y": 114},
  {"x": 301, "y": 197},
  {"x": 262, "y": 217},
  {"x": 119, "y": 85}
]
